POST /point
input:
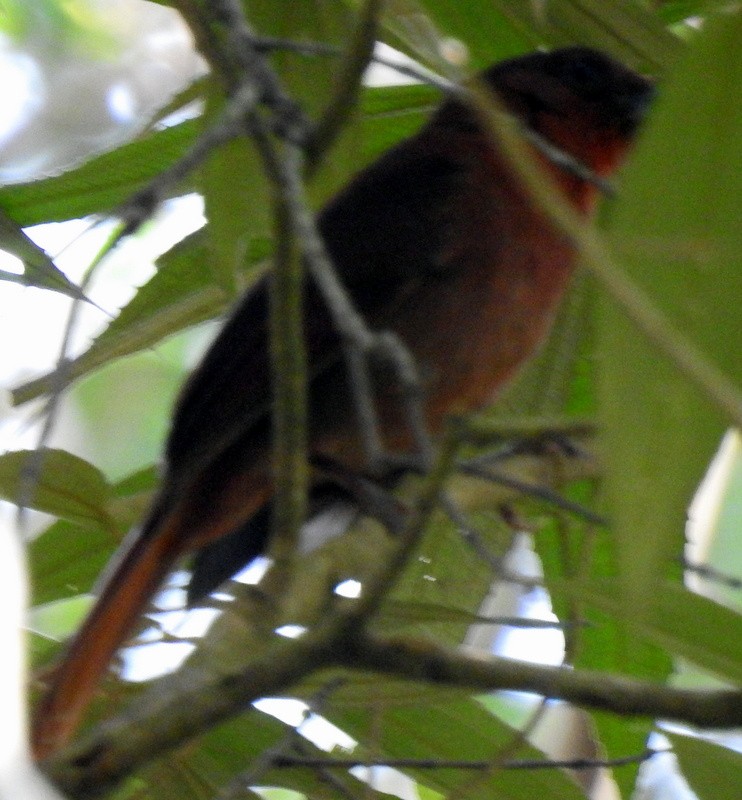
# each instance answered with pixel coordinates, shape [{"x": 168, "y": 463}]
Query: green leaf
[
  {"x": 680, "y": 622},
  {"x": 624, "y": 28},
  {"x": 59, "y": 619},
  {"x": 66, "y": 485},
  {"x": 66, "y": 559},
  {"x": 489, "y": 32},
  {"x": 102, "y": 183},
  {"x": 38, "y": 269},
  {"x": 447, "y": 728},
  {"x": 674, "y": 11},
  {"x": 409, "y": 612},
  {"x": 236, "y": 203},
  {"x": 572, "y": 551},
  {"x": 712, "y": 771},
  {"x": 495, "y": 30},
  {"x": 390, "y": 113},
  {"x": 184, "y": 291},
  {"x": 677, "y": 228},
  {"x": 178, "y": 296},
  {"x": 448, "y": 573}
]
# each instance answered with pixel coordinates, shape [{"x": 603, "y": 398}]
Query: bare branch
[
  {"x": 288, "y": 360},
  {"x": 443, "y": 763},
  {"x": 623, "y": 696},
  {"x": 348, "y": 85},
  {"x": 532, "y": 490}
]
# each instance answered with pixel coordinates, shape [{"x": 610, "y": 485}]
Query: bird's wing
[{"x": 372, "y": 231}]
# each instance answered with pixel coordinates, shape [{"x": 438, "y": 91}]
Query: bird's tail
[{"x": 125, "y": 591}]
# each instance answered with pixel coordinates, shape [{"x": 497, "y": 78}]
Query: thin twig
[
  {"x": 31, "y": 472},
  {"x": 356, "y": 335},
  {"x": 473, "y": 538},
  {"x": 278, "y": 753},
  {"x": 486, "y": 431},
  {"x": 532, "y": 490},
  {"x": 288, "y": 120},
  {"x": 707, "y": 572},
  {"x": 140, "y": 207},
  {"x": 347, "y": 86},
  {"x": 443, "y": 763},
  {"x": 408, "y": 69},
  {"x": 565, "y": 161}
]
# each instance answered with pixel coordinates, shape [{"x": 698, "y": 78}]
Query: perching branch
[
  {"x": 597, "y": 690},
  {"x": 186, "y": 704}
]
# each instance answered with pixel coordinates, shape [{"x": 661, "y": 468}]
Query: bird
[{"x": 436, "y": 241}]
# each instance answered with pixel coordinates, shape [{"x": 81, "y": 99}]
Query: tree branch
[
  {"x": 288, "y": 360},
  {"x": 184, "y": 705},
  {"x": 427, "y": 661},
  {"x": 444, "y": 763},
  {"x": 348, "y": 85}
]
